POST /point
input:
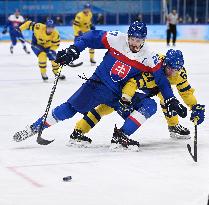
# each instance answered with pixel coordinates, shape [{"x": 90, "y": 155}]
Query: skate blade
[
  {"x": 93, "y": 64},
  {"x": 119, "y": 148},
  {"x": 78, "y": 144},
  {"x": 179, "y": 137}
]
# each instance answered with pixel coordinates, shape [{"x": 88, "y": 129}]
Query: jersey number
[{"x": 114, "y": 33}]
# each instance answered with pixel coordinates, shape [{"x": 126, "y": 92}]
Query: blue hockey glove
[
  {"x": 4, "y": 31},
  {"x": 67, "y": 56},
  {"x": 175, "y": 107},
  {"x": 80, "y": 33},
  {"x": 198, "y": 113},
  {"x": 93, "y": 27},
  {"x": 125, "y": 108}
]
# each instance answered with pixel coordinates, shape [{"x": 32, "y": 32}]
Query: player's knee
[
  {"x": 64, "y": 111},
  {"x": 42, "y": 57},
  {"x": 148, "y": 108}
]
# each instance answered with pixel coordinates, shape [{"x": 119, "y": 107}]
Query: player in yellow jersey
[
  {"x": 45, "y": 41},
  {"x": 82, "y": 24},
  {"x": 177, "y": 77}
]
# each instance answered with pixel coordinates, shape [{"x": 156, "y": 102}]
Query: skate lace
[{"x": 180, "y": 127}]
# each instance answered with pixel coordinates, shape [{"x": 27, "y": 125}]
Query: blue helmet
[
  {"x": 174, "y": 59},
  {"x": 50, "y": 23},
  {"x": 87, "y": 6},
  {"x": 137, "y": 29}
]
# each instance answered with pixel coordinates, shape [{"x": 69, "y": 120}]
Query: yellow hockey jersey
[
  {"x": 147, "y": 82},
  {"x": 40, "y": 37},
  {"x": 82, "y": 22}
]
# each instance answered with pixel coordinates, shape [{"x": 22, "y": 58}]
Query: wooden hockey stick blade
[
  {"x": 76, "y": 65},
  {"x": 42, "y": 141}
]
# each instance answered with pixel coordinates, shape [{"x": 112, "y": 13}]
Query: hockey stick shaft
[
  {"x": 28, "y": 42},
  {"x": 36, "y": 47},
  {"x": 40, "y": 140},
  {"x": 195, "y": 144}
]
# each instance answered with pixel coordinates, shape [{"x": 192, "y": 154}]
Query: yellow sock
[
  {"x": 55, "y": 67},
  {"x": 91, "y": 54},
  {"x": 92, "y": 118},
  {"x": 42, "y": 59}
]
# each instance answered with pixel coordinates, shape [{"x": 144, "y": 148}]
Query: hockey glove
[
  {"x": 80, "y": 33},
  {"x": 198, "y": 113},
  {"x": 93, "y": 27},
  {"x": 125, "y": 108},
  {"x": 4, "y": 31},
  {"x": 67, "y": 56},
  {"x": 175, "y": 107}
]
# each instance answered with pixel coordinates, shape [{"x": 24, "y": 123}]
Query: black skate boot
[
  {"x": 93, "y": 62},
  {"x": 179, "y": 132},
  {"x": 26, "y": 50},
  {"x": 24, "y": 134},
  {"x": 120, "y": 139},
  {"x": 11, "y": 49},
  {"x": 78, "y": 138},
  {"x": 44, "y": 76}
]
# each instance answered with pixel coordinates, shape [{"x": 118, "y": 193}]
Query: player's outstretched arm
[
  {"x": 28, "y": 25},
  {"x": 171, "y": 102},
  {"x": 91, "y": 39}
]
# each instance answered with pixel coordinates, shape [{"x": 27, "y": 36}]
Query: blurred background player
[
  {"x": 45, "y": 42},
  {"x": 82, "y": 24},
  {"x": 172, "y": 20},
  {"x": 14, "y": 21}
]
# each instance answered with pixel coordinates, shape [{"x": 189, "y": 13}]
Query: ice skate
[
  {"x": 120, "y": 140},
  {"x": 24, "y": 134},
  {"x": 179, "y": 132}
]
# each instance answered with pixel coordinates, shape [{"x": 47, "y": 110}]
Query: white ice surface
[{"x": 162, "y": 173}]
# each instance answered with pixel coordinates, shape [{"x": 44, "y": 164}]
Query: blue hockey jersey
[
  {"x": 14, "y": 22},
  {"x": 120, "y": 64}
]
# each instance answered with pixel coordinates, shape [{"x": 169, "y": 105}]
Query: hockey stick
[
  {"x": 36, "y": 47},
  {"x": 28, "y": 42},
  {"x": 194, "y": 157},
  {"x": 40, "y": 140}
]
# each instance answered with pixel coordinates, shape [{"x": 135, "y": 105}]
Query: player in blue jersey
[
  {"x": 13, "y": 23},
  {"x": 127, "y": 57},
  {"x": 135, "y": 108}
]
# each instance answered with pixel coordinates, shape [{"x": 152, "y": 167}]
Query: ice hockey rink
[{"x": 161, "y": 173}]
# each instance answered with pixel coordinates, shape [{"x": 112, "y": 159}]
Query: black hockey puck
[{"x": 67, "y": 179}]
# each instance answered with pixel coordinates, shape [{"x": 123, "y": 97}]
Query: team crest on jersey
[{"x": 119, "y": 71}]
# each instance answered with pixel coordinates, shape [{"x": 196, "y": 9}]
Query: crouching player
[
  {"x": 127, "y": 57},
  {"x": 173, "y": 67},
  {"x": 45, "y": 42}
]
